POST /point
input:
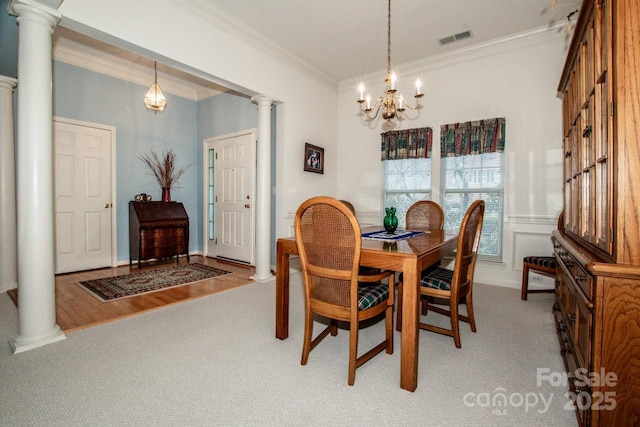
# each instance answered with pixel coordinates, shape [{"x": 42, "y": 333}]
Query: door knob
[
  {"x": 107, "y": 205},
  {"x": 247, "y": 206}
]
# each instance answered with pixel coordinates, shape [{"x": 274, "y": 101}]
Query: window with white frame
[
  {"x": 472, "y": 168},
  {"x": 406, "y": 168},
  {"x": 405, "y": 182}
]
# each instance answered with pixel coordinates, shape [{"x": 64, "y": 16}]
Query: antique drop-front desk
[{"x": 157, "y": 230}]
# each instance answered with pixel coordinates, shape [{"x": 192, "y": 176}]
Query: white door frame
[
  {"x": 205, "y": 193},
  {"x": 114, "y": 222}
]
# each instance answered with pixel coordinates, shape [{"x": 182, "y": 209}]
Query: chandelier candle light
[{"x": 392, "y": 104}]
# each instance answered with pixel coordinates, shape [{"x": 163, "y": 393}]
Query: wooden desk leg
[
  {"x": 282, "y": 293},
  {"x": 410, "y": 326}
]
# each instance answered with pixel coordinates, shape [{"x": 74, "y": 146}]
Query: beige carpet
[{"x": 215, "y": 361}]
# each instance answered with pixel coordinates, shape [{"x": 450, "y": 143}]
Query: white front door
[
  {"x": 229, "y": 196},
  {"x": 82, "y": 191}
]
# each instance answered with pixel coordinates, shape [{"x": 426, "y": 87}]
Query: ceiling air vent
[{"x": 455, "y": 37}]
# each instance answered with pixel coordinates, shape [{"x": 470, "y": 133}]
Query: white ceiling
[
  {"x": 348, "y": 38},
  {"x": 341, "y": 39}
]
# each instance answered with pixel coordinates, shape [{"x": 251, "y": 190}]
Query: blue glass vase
[{"x": 390, "y": 220}]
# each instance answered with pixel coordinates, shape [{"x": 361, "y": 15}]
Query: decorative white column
[
  {"x": 263, "y": 190},
  {"x": 34, "y": 166},
  {"x": 8, "y": 245}
]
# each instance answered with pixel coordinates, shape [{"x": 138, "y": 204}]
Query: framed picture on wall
[{"x": 313, "y": 158}]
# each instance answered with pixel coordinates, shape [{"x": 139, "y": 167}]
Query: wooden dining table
[{"x": 409, "y": 256}]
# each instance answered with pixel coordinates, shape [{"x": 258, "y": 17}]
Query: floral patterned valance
[
  {"x": 476, "y": 137},
  {"x": 407, "y": 144}
]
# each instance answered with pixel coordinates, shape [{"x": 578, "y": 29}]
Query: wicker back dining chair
[
  {"x": 545, "y": 265},
  {"x": 424, "y": 214},
  {"x": 370, "y": 274},
  {"x": 452, "y": 285},
  {"x": 350, "y": 206},
  {"x": 329, "y": 244}
]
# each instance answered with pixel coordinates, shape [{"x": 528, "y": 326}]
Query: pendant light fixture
[{"x": 154, "y": 99}]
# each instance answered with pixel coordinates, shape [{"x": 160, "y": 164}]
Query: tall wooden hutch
[{"x": 598, "y": 279}]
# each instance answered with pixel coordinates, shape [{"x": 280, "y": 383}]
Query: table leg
[
  {"x": 282, "y": 293},
  {"x": 410, "y": 326}
]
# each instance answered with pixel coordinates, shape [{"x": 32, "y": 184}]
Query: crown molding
[
  {"x": 207, "y": 10},
  {"x": 128, "y": 71},
  {"x": 499, "y": 45}
]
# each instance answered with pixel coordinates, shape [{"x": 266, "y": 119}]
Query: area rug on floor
[{"x": 112, "y": 288}]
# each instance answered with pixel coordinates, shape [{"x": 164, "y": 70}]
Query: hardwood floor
[{"x": 76, "y": 309}]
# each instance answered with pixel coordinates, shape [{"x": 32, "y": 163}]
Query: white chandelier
[
  {"x": 154, "y": 99},
  {"x": 392, "y": 104}
]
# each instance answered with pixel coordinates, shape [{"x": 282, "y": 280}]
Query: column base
[
  {"x": 20, "y": 344},
  {"x": 262, "y": 279},
  {"x": 7, "y": 286}
]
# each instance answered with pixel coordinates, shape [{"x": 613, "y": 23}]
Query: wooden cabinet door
[{"x": 603, "y": 128}]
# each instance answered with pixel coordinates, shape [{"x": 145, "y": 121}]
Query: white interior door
[
  {"x": 229, "y": 173},
  {"x": 82, "y": 189}
]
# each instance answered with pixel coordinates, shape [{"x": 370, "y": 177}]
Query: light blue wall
[
  {"x": 225, "y": 114},
  {"x": 84, "y": 95},
  {"x": 8, "y": 42},
  {"x": 218, "y": 115},
  {"x": 88, "y": 96}
]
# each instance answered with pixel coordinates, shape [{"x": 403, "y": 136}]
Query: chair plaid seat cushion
[
  {"x": 371, "y": 295},
  {"x": 542, "y": 261},
  {"x": 437, "y": 278}
]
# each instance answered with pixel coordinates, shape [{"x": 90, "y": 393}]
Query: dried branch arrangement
[{"x": 164, "y": 168}]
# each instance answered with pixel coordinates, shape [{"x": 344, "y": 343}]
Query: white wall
[
  {"x": 514, "y": 78},
  {"x": 177, "y": 32}
]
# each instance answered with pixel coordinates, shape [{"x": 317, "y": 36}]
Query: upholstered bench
[{"x": 545, "y": 265}]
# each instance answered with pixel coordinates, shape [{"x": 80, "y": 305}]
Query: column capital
[
  {"x": 262, "y": 100},
  {"x": 8, "y": 82},
  {"x": 38, "y": 11}
]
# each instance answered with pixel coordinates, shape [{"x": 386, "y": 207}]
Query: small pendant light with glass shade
[{"x": 154, "y": 99}]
